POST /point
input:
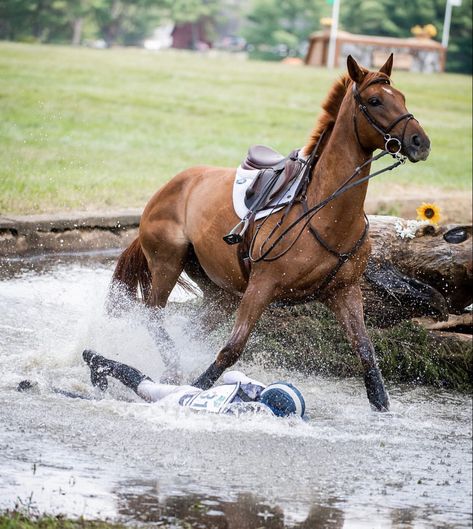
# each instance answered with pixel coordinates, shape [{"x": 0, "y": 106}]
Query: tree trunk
[
  {"x": 77, "y": 25},
  {"x": 422, "y": 271},
  {"x": 37, "y": 24}
]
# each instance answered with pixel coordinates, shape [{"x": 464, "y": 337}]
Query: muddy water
[{"x": 112, "y": 456}]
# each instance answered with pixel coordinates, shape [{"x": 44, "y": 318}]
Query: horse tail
[
  {"x": 132, "y": 275},
  {"x": 132, "y": 272}
]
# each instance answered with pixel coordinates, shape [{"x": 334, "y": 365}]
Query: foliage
[
  {"x": 192, "y": 10},
  {"x": 460, "y": 47},
  {"x": 276, "y": 29},
  {"x": 298, "y": 18},
  {"x": 35, "y": 20},
  {"x": 308, "y": 335},
  {"x": 390, "y": 17},
  {"x": 124, "y": 21},
  {"x": 114, "y": 21},
  {"x": 20, "y": 520}
]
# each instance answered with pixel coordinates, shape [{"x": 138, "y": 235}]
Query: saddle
[{"x": 276, "y": 172}]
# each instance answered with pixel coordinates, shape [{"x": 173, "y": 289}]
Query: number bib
[{"x": 213, "y": 400}]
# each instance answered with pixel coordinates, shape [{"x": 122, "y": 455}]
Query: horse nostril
[{"x": 415, "y": 140}]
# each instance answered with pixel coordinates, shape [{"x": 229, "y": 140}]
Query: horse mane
[{"x": 330, "y": 109}]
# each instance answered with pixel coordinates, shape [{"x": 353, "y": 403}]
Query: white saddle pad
[{"x": 244, "y": 178}]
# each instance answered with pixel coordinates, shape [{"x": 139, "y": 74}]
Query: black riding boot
[{"x": 101, "y": 368}]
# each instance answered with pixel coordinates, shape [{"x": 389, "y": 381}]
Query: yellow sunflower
[{"x": 429, "y": 212}]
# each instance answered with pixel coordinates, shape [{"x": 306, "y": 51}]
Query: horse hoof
[
  {"x": 203, "y": 382},
  {"x": 377, "y": 394},
  {"x": 380, "y": 406},
  {"x": 208, "y": 378}
]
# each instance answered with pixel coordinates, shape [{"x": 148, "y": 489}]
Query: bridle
[
  {"x": 384, "y": 131},
  {"x": 247, "y": 254}
]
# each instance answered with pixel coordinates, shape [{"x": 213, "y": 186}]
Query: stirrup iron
[{"x": 235, "y": 236}]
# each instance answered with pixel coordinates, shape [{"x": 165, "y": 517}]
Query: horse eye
[
  {"x": 456, "y": 235},
  {"x": 374, "y": 101}
]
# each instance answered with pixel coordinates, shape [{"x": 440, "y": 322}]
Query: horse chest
[{"x": 308, "y": 276}]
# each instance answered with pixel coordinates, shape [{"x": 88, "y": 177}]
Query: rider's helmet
[{"x": 283, "y": 399}]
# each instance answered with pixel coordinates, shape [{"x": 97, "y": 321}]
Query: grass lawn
[
  {"x": 15, "y": 520},
  {"x": 84, "y": 129},
  {"x": 18, "y": 521}
]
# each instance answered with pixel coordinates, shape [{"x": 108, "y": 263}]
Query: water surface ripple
[{"x": 112, "y": 456}]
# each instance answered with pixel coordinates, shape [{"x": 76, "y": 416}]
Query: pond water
[{"x": 112, "y": 456}]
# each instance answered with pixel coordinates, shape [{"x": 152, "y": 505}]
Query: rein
[
  {"x": 310, "y": 212},
  {"x": 305, "y": 218}
]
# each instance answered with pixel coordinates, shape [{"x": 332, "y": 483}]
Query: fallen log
[
  {"x": 455, "y": 323},
  {"x": 427, "y": 274},
  {"x": 417, "y": 269}
]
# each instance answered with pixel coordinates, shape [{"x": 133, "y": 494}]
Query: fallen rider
[{"x": 238, "y": 393}]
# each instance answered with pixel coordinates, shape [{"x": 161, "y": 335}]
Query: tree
[
  {"x": 459, "y": 58},
  {"x": 35, "y": 20},
  {"x": 126, "y": 21},
  {"x": 78, "y": 11},
  {"x": 281, "y": 28}
]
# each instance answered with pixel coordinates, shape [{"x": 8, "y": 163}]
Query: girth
[{"x": 342, "y": 257}]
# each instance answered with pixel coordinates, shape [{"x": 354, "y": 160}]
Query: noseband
[{"x": 392, "y": 144}]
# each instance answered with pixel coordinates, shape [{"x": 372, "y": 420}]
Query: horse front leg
[
  {"x": 256, "y": 298},
  {"x": 347, "y": 305}
]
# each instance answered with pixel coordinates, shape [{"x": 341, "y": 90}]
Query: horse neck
[{"x": 341, "y": 156}]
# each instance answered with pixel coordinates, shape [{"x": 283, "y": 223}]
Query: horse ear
[
  {"x": 356, "y": 73},
  {"x": 387, "y": 66}
]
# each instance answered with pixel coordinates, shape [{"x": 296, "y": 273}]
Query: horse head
[{"x": 381, "y": 118}]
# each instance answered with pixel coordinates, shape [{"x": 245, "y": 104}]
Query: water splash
[{"x": 347, "y": 462}]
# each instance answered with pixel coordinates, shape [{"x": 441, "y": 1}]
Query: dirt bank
[
  {"x": 67, "y": 232},
  {"x": 99, "y": 230}
]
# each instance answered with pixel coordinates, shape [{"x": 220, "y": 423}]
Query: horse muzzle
[{"x": 417, "y": 148}]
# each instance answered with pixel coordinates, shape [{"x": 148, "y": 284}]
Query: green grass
[
  {"x": 82, "y": 129},
  {"x": 18, "y": 520}
]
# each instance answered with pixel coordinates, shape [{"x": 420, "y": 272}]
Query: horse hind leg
[
  {"x": 347, "y": 306},
  {"x": 217, "y": 305},
  {"x": 166, "y": 263}
]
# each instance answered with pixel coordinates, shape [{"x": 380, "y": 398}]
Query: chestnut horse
[{"x": 183, "y": 224}]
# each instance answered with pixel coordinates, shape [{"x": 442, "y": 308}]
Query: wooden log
[
  {"x": 417, "y": 270},
  {"x": 454, "y": 322},
  {"x": 429, "y": 274}
]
